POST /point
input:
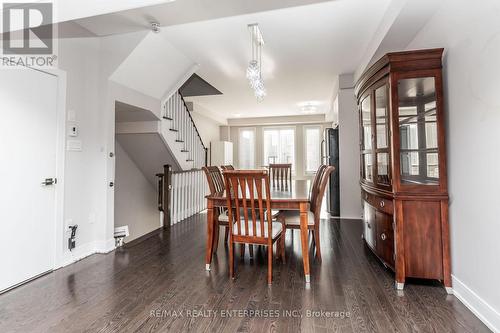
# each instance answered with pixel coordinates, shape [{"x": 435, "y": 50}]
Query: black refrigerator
[{"x": 330, "y": 156}]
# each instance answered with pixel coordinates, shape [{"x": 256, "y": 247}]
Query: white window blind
[
  {"x": 279, "y": 145},
  {"x": 246, "y": 148},
  {"x": 312, "y": 148}
]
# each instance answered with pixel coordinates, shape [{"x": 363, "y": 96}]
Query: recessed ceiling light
[{"x": 237, "y": 115}]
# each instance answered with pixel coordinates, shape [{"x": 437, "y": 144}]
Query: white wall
[
  {"x": 88, "y": 200},
  {"x": 350, "y": 192},
  {"x": 470, "y": 33},
  {"x": 207, "y": 127},
  {"x": 135, "y": 198},
  {"x": 84, "y": 172}
]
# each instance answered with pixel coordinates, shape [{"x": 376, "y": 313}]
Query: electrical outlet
[{"x": 67, "y": 223}]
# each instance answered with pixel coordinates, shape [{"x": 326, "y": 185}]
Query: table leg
[
  {"x": 210, "y": 233},
  {"x": 304, "y": 207}
]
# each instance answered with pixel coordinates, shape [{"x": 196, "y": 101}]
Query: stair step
[
  {"x": 168, "y": 118},
  {"x": 174, "y": 130},
  {"x": 179, "y": 140}
]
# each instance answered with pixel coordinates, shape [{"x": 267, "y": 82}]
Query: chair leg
[
  {"x": 231, "y": 259},
  {"x": 250, "y": 246},
  {"x": 216, "y": 238},
  {"x": 316, "y": 241},
  {"x": 270, "y": 264},
  {"x": 226, "y": 235},
  {"x": 242, "y": 251},
  {"x": 283, "y": 245}
]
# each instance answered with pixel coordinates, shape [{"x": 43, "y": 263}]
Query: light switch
[{"x": 73, "y": 130}]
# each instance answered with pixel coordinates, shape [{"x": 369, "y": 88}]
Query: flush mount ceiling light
[
  {"x": 309, "y": 107},
  {"x": 254, "y": 70}
]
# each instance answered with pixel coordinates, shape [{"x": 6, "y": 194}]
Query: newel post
[{"x": 167, "y": 195}]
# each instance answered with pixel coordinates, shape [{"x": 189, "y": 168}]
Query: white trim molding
[
  {"x": 484, "y": 311},
  {"x": 85, "y": 250}
]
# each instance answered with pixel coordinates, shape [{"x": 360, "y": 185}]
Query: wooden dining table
[{"x": 294, "y": 198}]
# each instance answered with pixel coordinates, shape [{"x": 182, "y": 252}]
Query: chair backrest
[
  {"x": 313, "y": 192},
  {"x": 227, "y": 167},
  {"x": 248, "y": 194},
  {"x": 321, "y": 189},
  {"x": 214, "y": 179},
  {"x": 281, "y": 174}
]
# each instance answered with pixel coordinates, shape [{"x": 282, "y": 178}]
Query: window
[
  {"x": 246, "y": 148},
  {"x": 279, "y": 145},
  {"x": 312, "y": 135}
]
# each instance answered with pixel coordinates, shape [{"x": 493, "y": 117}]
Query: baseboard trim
[
  {"x": 142, "y": 238},
  {"x": 484, "y": 311},
  {"x": 85, "y": 250}
]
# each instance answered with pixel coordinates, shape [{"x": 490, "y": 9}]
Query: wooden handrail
[
  {"x": 192, "y": 121},
  {"x": 185, "y": 171}
]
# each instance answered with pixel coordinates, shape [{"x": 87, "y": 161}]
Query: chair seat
[
  {"x": 292, "y": 217},
  {"x": 276, "y": 229}
]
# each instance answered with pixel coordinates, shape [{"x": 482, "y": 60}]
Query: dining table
[{"x": 295, "y": 197}]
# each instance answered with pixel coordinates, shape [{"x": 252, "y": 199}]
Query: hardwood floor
[{"x": 159, "y": 284}]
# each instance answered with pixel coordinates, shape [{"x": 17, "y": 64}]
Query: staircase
[
  {"x": 170, "y": 138},
  {"x": 181, "y": 132}
]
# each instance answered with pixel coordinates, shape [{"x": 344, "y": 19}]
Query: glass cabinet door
[
  {"x": 366, "y": 139},
  {"x": 382, "y": 136},
  {"x": 418, "y": 131}
]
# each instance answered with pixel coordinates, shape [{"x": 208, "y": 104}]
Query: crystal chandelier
[{"x": 254, "y": 70}]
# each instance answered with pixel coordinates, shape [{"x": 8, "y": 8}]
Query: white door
[{"x": 28, "y": 111}]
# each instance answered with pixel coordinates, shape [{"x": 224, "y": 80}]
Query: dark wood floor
[{"x": 160, "y": 284}]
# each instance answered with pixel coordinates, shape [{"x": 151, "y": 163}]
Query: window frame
[
  {"x": 285, "y": 127},
  {"x": 304, "y": 145},
  {"x": 241, "y": 129}
]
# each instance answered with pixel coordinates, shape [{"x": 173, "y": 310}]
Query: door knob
[
  {"x": 49, "y": 181},
  {"x": 383, "y": 236}
]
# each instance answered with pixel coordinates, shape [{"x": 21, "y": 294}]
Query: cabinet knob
[
  {"x": 383, "y": 236},
  {"x": 382, "y": 203}
]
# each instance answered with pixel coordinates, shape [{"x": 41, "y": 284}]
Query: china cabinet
[{"x": 403, "y": 165}]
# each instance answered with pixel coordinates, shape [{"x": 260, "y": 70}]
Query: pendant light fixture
[{"x": 254, "y": 70}]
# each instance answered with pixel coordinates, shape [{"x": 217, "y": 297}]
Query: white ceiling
[
  {"x": 177, "y": 12},
  {"x": 306, "y": 48},
  {"x": 308, "y": 43}
]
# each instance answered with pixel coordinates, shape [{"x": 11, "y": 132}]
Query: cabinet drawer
[{"x": 379, "y": 203}]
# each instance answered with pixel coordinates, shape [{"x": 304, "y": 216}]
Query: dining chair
[
  {"x": 291, "y": 218},
  {"x": 215, "y": 185},
  {"x": 227, "y": 167},
  {"x": 281, "y": 175},
  {"x": 249, "y": 211}
]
